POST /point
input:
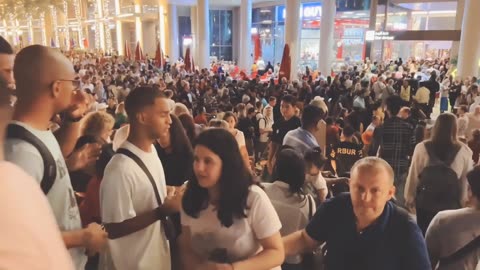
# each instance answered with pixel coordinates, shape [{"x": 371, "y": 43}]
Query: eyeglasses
[{"x": 75, "y": 83}]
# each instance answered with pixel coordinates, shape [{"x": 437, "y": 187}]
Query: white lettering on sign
[
  {"x": 307, "y": 12},
  {"x": 383, "y": 35}
]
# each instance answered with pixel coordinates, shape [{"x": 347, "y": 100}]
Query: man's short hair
[
  {"x": 473, "y": 178},
  {"x": 272, "y": 98},
  {"x": 290, "y": 100},
  {"x": 311, "y": 116},
  {"x": 348, "y": 131},
  {"x": 5, "y": 47},
  {"x": 374, "y": 163},
  {"x": 394, "y": 104},
  {"x": 139, "y": 98}
]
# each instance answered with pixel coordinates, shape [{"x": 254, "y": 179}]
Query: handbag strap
[
  {"x": 310, "y": 206},
  {"x": 459, "y": 254},
  {"x": 142, "y": 165}
]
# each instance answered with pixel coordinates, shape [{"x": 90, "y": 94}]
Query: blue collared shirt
[
  {"x": 393, "y": 242},
  {"x": 301, "y": 140}
]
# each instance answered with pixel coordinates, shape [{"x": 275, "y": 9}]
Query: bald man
[
  {"x": 46, "y": 86},
  {"x": 363, "y": 229}
]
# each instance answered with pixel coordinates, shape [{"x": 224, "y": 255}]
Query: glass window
[{"x": 221, "y": 34}]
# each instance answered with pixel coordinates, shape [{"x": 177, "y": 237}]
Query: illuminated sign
[
  {"x": 307, "y": 11},
  {"x": 382, "y": 35}
]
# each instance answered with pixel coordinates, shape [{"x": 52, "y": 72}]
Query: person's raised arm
[{"x": 298, "y": 242}]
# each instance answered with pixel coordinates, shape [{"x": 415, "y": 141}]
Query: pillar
[
  {"x": 469, "y": 53},
  {"x": 203, "y": 19},
  {"x": 369, "y": 45},
  {"x": 292, "y": 30},
  {"x": 119, "y": 30},
  {"x": 194, "y": 23},
  {"x": 138, "y": 26},
  {"x": 327, "y": 28},
  {"x": 245, "y": 58},
  {"x": 174, "y": 45},
  {"x": 458, "y": 26},
  {"x": 100, "y": 27},
  {"x": 194, "y": 28}
]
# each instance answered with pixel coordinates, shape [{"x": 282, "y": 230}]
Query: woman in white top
[
  {"x": 239, "y": 137},
  {"x": 444, "y": 141},
  {"x": 451, "y": 230},
  {"x": 294, "y": 207},
  {"x": 227, "y": 221}
]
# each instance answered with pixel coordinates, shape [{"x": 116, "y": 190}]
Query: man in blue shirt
[
  {"x": 302, "y": 139},
  {"x": 363, "y": 229}
]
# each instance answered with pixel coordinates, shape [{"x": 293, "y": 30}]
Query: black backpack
[
  {"x": 49, "y": 164},
  {"x": 438, "y": 187}
]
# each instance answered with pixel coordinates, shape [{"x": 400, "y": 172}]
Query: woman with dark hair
[
  {"x": 232, "y": 121},
  {"x": 188, "y": 126},
  {"x": 445, "y": 146},
  {"x": 175, "y": 152},
  {"x": 293, "y": 206},
  {"x": 227, "y": 221}
]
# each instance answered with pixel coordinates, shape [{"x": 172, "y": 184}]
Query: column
[
  {"x": 245, "y": 58},
  {"x": 327, "y": 28},
  {"x": 174, "y": 52},
  {"x": 119, "y": 30},
  {"x": 469, "y": 53},
  {"x": 163, "y": 23},
  {"x": 100, "y": 26},
  {"x": 138, "y": 27},
  {"x": 292, "y": 30},
  {"x": 369, "y": 45},
  {"x": 203, "y": 20},
  {"x": 458, "y": 26},
  {"x": 194, "y": 23}
]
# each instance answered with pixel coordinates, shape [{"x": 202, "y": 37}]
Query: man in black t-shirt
[
  {"x": 280, "y": 128},
  {"x": 345, "y": 153}
]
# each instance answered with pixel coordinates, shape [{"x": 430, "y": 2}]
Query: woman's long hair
[
  {"x": 235, "y": 179},
  {"x": 444, "y": 135},
  {"x": 189, "y": 126},
  {"x": 290, "y": 169}
]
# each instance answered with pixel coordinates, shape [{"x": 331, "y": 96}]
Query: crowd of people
[{"x": 117, "y": 164}]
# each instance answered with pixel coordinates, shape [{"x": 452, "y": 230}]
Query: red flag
[
  {"x": 85, "y": 43},
  {"x": 193, "y": 65},
  {"x": 128, "y": 53},
  {"x": 258, "y": 47},
  {"x": 285, "y": 66},
  {"x": 188, "y": 61},
  {"x": 159, "y": 58},
  {"x": 138, "y": 52}
]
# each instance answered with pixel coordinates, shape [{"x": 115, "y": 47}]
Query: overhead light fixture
[
  {"x": 265, "y": 11},
  {"x": 267, "y": 22}
]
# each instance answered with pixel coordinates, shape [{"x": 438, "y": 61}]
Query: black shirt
[
  {"x": 178, "y": 167},
  {"x": 345, "y": 154},
  {"x": 281, "y": 127},
  {"x": 393, "y": 242},
  {"x": 246, "y": 126}
]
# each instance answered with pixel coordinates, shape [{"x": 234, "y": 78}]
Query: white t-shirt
[
  {"x": 241, "y": 240},
  {"x": 264, "y": 123},
  {"x": 293, "y": 210},
  {"x": 126, "y": 192},
  {"x": 29, "y": 235},
  {"x": 61, "y": 196},
  {"x": 451, "y": 230},
  {"x": 240, "y": 138}
]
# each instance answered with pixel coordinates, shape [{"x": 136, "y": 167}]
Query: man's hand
[
  {"x": 84, "y": 157},
  {"x": 172, "y": 203},
  {"x": 81, "y": 102},
  {"x": 95, "y": 238}
]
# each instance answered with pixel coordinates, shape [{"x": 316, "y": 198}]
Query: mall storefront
[{"x": 428, "y": 32}]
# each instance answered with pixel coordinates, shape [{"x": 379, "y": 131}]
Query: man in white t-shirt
[
  {"x": 45, "y": 87},
  {"x": 129, "y": 206}
]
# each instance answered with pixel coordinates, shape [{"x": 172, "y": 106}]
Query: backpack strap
[
  {"x": 49, "y": 164},
  {"x": 459, "y": 254},
  {"x": 167, "y": 224}
]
